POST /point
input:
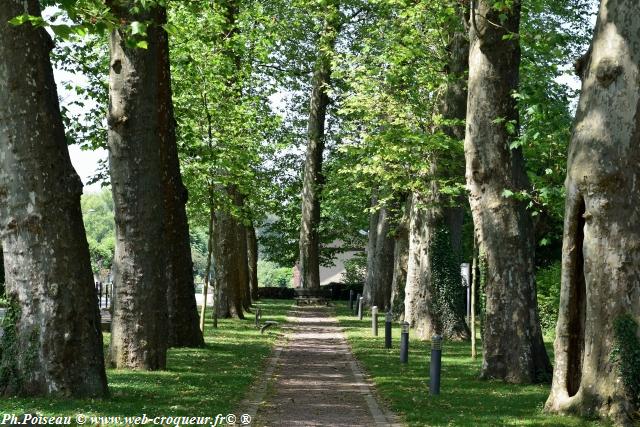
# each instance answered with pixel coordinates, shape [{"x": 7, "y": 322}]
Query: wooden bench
[{"x": 312, "y": 296}]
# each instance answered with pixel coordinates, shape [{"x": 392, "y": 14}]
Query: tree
[
  {"x": 434, "y": 294},
  {"x": 513, "y": 349},
  {"x": 600, "y": 253},
  {"x": 184, "y": 330},
  {"x": 226, "y": 124},
  {"x": 137, "y": 126},
  {"x": 380, "y": 251},
  {"x": 52, "y": 343},
  {"x": 252, "y": 256},
  {"x": 309, "y": 260}
]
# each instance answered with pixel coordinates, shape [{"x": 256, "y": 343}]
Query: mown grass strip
[
  {"x": 465, "y": 400},
  {"x": 198, "y": 382}
]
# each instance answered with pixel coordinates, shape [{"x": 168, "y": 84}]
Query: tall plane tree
[
  {"x": 433, "y": 296},
  {"x": 138, "y": 121},
  {"x": 601, "y": 250},
  {"x": 52, "y": 343},
  {"x": 380, "y": 252},
  {"x": 513, "y": 349},
  {"x": 309, "y": 260},
  {"x": 184, "y": 330}
]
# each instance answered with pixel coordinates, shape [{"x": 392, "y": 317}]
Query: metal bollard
[
  {"x": 351, "y": 300},
  {"x": 357, "y": 303},
  {"x": 435, "y": 365},
  {"x": 258, "y": 315},
  {"x": 388, "y": 318},
  {"x": 374, "y": 321},
  {"x": 404, "y": 343},
  {"x": 360, "y": 303}
]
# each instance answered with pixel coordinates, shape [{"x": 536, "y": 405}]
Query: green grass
[
  {"x": 464, "y": 400},
  {"x": 197, "y": 382}
]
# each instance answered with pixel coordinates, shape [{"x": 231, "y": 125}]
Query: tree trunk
[
  {"x": 601, "y": 248},
  {"x": 474, "y": 287},
  {"x": 243, "y": 265},
  {"x": 52, "y": 343},
  {"x": 184, "y": 330},
  {"x": 512, "y": 349},
  {"x": 309, "y": 262},
  {"x": 377, "y": 290},
  {"x": 230, "y": 277},
  {"x": 372, "y": 240},
  {"x": 136, "y": 122},
  {"x": 400, "y": 261},
  {"x": 419, "y": 310},
  {"x": 252, "y": 252},
  {"x": 207, "y": 272},
  {"x": 434, "y": 301}
]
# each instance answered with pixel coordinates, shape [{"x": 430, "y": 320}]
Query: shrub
[
  {"x": 272, "y": 275},
  {"x": 271, "y": 292},
  {"x": 355, "y": 269},
  {"x": 548, "y": 282}
]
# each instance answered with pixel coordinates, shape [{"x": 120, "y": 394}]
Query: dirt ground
[{"x": 315, "y": 380}]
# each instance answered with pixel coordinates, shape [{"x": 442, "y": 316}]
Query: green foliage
[
  {"x": 272, "y": 275},
  {"x": 98, "y": 216},
  {"x": 355, "y": 269},
  {"x": 226, "y": 128},
  {"x": 552, "y": 35},
  {"x": 199, "y": 249},
  {"x": 626, "y": 355},
  {"x": 548, "y": 284}
]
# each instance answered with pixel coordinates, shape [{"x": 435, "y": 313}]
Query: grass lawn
[
  {"x": 464, "y": 400},
  {"x": 198, "y": 382}
]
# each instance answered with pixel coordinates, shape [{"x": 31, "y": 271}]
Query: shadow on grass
[
  {"x": 465, "y": 400},
  {"x": 197, "y": 382}
]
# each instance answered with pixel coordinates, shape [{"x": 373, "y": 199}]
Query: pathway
[{"x": 314, "y": 379}]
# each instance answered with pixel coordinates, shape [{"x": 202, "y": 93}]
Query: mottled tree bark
[
  {"x": 380, "y": 251},
  {"x": 400, "y": 261},
  {"x": 421, "y": 297},
  {"x": 512, "y": 349},
  {"x": 601, "y": 248},
  {"x": 372, "y": 239},
  {"x": 227, "y": 266},
  {"x": 252, "y": 255},
  {"x": 136, "y": 124},
  {"x": 52, "y": 343},
  {"x": 429, "y": 310},
  {"x": 309, "y": 244},
  {"x": 184, "y": 330},
  {"x": 243, "y": 266}
]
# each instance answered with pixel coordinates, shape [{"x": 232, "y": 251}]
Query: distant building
[{"x": 334, "y": 274}]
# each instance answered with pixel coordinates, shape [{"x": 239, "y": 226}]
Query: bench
[
  {"x": 105, "y": 320},
  {"x": 267, "y": 325},
  {"x": 312, "y": 296}
]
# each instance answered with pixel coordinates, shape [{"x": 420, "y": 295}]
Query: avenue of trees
[{"x": 238, "y": 127}]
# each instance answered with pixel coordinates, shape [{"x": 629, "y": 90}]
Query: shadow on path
[{"x": 316, "y": 381}]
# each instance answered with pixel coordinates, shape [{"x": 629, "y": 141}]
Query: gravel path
[{"x": 314, "y": 379}]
